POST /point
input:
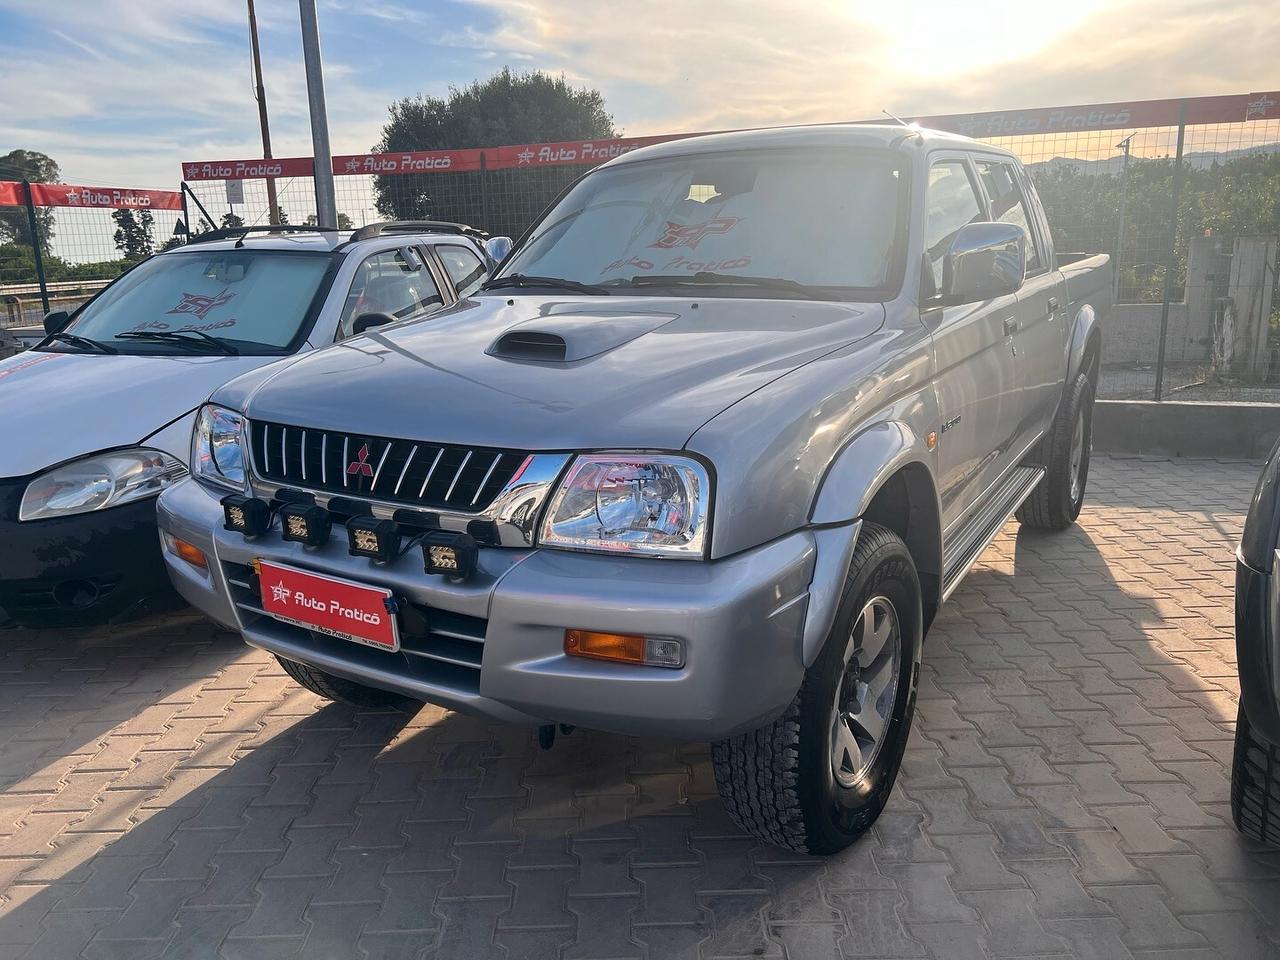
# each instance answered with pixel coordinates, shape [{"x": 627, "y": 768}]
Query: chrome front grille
[{"x": 412, "y": 472}]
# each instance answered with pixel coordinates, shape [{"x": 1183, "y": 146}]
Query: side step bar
[{"x": 980, "y": 529}]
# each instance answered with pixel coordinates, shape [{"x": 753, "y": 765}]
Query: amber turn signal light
[
  {"x": 186, "y": 551},
  {"x": 625, "y": 648}
]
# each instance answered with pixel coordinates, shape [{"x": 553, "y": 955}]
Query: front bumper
[
  {"x": 493, "y": 645},
  {"x": 1258, "y": 648},
  {"x": 81, "y": 570}
]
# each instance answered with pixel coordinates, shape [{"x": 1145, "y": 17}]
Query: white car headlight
[
  {"x": 100, "y": 481},
  {"x": 217, "y": 447},
  {"x": 645, "y": 504}
]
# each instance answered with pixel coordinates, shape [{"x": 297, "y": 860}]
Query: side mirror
[
  {"x": 367, "y": 320},
  {"x": 56, "y": 321},
  {"x": 985, "y": 260},
  {"x": 497, "y": 249}
]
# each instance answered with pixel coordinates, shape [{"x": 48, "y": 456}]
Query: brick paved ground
[{"x": 166, "y": 792}]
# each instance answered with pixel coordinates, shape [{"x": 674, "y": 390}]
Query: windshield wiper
[
  {"x": 523, "y": 280},
  {"x": 203, "y": 341},
  {"x": 708, "y": 279},
  {"x": 84, "y": 343}
]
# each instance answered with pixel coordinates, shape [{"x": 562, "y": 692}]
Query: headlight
[
  {"x": 97, "y": 482},
  {"x": 649, "y": 504},
  {"x": 217, "y": 447}
]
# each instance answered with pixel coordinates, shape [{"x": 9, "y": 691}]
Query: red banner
[
  {"x": 247, "y": 169},
  {"x": 70, "y": 195},
  {"x": 1107, "y": 116},
  {"x": 997, "y": 123}
]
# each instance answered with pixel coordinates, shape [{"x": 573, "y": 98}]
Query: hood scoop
[{"x": 566, "y": 337}]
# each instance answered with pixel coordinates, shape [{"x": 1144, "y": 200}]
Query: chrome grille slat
[
  {"x": 462, "y": 466},
  {"x": 378, "y": 472},
  {"x": 417, "y": 473},
  {"x": 434, "y": 463},
  {"x": 487, "y": 474}
]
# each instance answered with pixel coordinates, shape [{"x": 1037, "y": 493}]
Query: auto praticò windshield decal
[
  {"x": 691, "y": 234},
  {"x": 200, "y": 305}
]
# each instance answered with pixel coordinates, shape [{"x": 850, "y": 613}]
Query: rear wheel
[
  {"x": 1065, "y": 451},
  {"x": 816, "y": 778},
  {"x": 1255, "y": 784},
  {"x": 341, "y": 689}
]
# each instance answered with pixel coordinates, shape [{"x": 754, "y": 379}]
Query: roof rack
[
  {"x": 226, "y": 233},
  {"x": 371, "y": 230}
]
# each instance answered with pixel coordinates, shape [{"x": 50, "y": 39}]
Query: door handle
[
  {"x": 1053, "y": 306},
  {"x": 1010, "y": 326}
]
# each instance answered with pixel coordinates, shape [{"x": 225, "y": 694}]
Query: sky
[{"x": 119, "y": 93}]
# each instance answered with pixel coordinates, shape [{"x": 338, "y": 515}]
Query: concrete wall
[{"x": 1224, "y": 431}]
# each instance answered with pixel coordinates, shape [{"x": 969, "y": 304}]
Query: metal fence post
[
  {"x": 484, "y": 192},
  {"x": 36, "y": 252},
  {"x": 1173, "y": 248}
]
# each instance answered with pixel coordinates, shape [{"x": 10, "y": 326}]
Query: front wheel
[
  {"x": 342, "y": 690},
  {"x": 816, "y": 778}
]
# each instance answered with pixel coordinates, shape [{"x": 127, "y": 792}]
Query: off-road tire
[
  {"x": 776, "y": 782},
  {"x": 1051, "y": 505},
  {"x": 1255, "y": 784},
  {"x": 341, "y": 689}
]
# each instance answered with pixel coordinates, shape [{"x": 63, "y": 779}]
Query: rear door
[
  {"x": 1041, "y": 338},
  {"x": 973, "y": 351}
]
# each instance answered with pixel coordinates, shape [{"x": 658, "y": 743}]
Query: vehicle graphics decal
[
  {"x": 199, "y": 304},
  {"x": 21, "y": 362},
  {"x": 691, "y": 234}
]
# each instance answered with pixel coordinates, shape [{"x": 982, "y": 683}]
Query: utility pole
[
  {"x": 260, "y": 92},
  {"x": 1124, "y": 195},
  {"x": 326, "y": 205}
]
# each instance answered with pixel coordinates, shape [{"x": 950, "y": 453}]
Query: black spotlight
[
  {"x": 372, "y": 538},
  {"x": 247, "y": 515},
  {"x": 448, "y": 553},
  {"x": 304, "y": 523}
]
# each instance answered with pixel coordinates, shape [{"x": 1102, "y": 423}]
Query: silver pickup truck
[{"x": 701, "y": 461}]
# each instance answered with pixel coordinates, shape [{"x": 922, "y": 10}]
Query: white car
[{"x": 98, "y": 415}]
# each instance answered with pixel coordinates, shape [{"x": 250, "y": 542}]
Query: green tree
[
  {"x": 344, "y": 222},
  {"x": 507, "y": 108},
  {"x": 230, "y": 221},
  {"x": 133, "y": 233},
  {"x": 38, "y": 168}
]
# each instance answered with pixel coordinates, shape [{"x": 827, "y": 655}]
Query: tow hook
[{"x": 547, "y": 734}]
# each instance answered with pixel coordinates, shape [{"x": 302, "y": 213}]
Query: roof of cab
[
  {"x": 816, "y": 136},
  {"x": 327, "y": 241}
]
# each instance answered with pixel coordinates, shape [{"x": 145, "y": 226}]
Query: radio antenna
[{"x": 897, "y": 119}]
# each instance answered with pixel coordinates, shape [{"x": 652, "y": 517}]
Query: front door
[
  {"x": 973, "y": 354},
  {"x": 1041, "y": 338}
]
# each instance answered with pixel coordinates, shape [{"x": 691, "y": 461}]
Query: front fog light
[
  {"x": 305, "y": 524},
  {"x": 451, "y": 554},
  {"x": 376, "y": 539},
  {"x": 625, "y": 648},
  {"x": 247, "y": 515}
]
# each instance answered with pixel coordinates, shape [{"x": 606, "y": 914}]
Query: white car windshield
[
  {"x": 829, "y": 220},
  {"x": 253, "y": 301}
]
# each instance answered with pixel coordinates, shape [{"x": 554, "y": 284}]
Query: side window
[
  {"x": 1009, "y": 206},
  {"x": 465, "y": 268},
  {"x": 388, "y": 283},
  {"x": 950, "y": 203}
]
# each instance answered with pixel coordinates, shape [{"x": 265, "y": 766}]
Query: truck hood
[
  {"x": 60, "y": 406},
  {"x": 639, "y": 372}
]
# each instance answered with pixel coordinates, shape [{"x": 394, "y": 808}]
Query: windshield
[
  {"x": 828, "y": 220},
  {"x": 254, "y": 300}
]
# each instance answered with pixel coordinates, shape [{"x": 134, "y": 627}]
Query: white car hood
[{"x": 56, "y": 407}]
